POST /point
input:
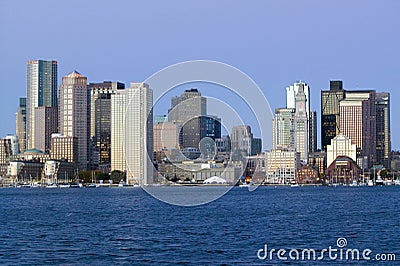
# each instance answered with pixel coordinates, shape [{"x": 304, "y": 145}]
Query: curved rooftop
[{"x": 33, "y": 151}]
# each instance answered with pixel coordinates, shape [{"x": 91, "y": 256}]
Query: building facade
[
  {"x": 340, "y": 145},
  {"x": 165, "y": 136},
  {"x": 282, "y": 165},
  {"x": 46, "y": 123},
  {"x": 118, "y": 112},
  {"x": 73, "y": 113},
  {"x": 41, "y": 91},
  {"x": 64, "y": 148},
  {"x": 20, "y": 124},
  {"x": 283, "y": 128},
  {"x": 301, "y": 127},
  {"x": 383, "y": 136}
]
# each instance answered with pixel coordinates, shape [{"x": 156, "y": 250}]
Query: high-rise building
[
  {"x": 46, "y": 123},
  {"x": 186, "y": 111},
  {"x": 132, "y": 133},
  {"x": 330, "y": 112},
  {"x": 14, "y": 143},
  {"x": 358, "y": 122},
  {"x": 20, "y": 124},
  {"x": 340, "y": 145},
  {"x": 64, "y": 148},
  {"x": 291, "y": 93},
  {"x": 312, "y": 146},
  {"x": 100, "y": 121},
  {"x": 118, "y": 111},
  {"x": 383, "y": 137},
  {"x": 282, "y": 128},
  {"x": 73, "y": 113},
  {"x": 243, "y": 143},
  {"x": 165, "y": 136},
  {"x": 41, "y": 91},
  {"x": 301, "y": 127},
  {"x": 5, "y": 155}
]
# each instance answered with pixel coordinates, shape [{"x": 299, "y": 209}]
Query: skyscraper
[
  {"x": 46, "y": 123},
  {"x": 358, "y": 122},
  {"x": 313, "y": 132},
  {"x": 291, "y": 93},
  {"x": 20, "y": 124},
  {"x": 132, "y": 133},
  {"x": 283, "y": 128},
  {"x": 330, "y": 111},
  {"x": 73, "y": 113},
  {"x": 100, "y": 121},
  {"x": 243, "y": 143},
  {"x": 383, "y": 137},
  {"x": 301, "y": 127},
  {"x": 41, "y": 91}
]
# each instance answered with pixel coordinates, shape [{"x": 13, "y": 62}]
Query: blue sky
[{"x": 274, "y": 42}]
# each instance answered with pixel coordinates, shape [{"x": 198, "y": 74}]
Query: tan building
[
  {"x": 73, "y": 113},
  {"x": 340, "y": 146},
  {"x": 282, "y": 165},
  {"x": 46, "y": 123},
  {"x": 166, "y": 135},
  {"x": 5, "y": 155},
  {"x": 64, "y": 148}
]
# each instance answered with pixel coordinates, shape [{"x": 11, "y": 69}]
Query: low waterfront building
[
  {"x": 307, "y": 175},
  {"x": 282, "y": 165},
  {"x": 340, "y": 146},
  {"x": 5, "y": 155},
  {"x": 343, "y": 170},
  {"x": 33, "y": 155},
  {"x": 64, "y": 148}
]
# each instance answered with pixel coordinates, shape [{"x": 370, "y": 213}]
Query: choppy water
[{"x": 106, "y": 226}]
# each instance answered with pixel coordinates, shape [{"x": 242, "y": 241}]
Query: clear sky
[{"x": 274, "y": 42}]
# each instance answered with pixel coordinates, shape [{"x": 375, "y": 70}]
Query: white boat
[
  {"x": 388, "y": 182},
  {"x": 397, "y": 182},
  {"x": 379, "y": 181},
  {"x": 52, "y": 185},
  {"x": 295, "y": 185},
  {"x": 64, "y": 185},
  {"x": 370, "y": 183},
  {"x": 354, "y": 184}
]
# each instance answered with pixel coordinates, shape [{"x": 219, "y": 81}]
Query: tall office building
[
  {"x": 100, "y": 121},
  {"x": 20, "y": 124},
  {"x": 243, "y": 143},
  {"x": 383, "y": 137},
  {"x": 118, "y": 111},
  {"x": 291, "y": 93},
  {"x": 5, "y": 155},
  {"x": 301, "y": 127},
  {"x": 165, "y": 136},
  {"x": 64, "y": 148},
  {"x": 358, "y": 122},
  {"x": 340, "y": 145},
  {"x": 73, "y": 113},
  {"x": 186, "y": 111},
  {"x": 330, "y": 112},
  {"x": 46, "y": 123},
  {"x": 282, "y": 128},
  {"x": 132, "y": 133},
  {"x": 312, "y": 146},
  {"x": 41, "y": 91}
]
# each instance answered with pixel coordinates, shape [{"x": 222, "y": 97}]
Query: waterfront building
[
  {"x": 283, "y": 128},
  {"x": 358, "y": 122},
  {"x": 307, "y": 175},
  {"x": 243, "y": 143},
  {"x": 64, "y": 148},
  {"x": 73, "y": 113},
  {"x": 20, "y": 124},
  {"x": 58, "y": 172},
  {"x": 330, "y": 112},
  {"x": 383, "y": 136},
  {"x": 46, "y": 123},
  {"x": 312, "y": 146},
  {"x": 223, "y": 144},
  {"x": 5, "y": 154},
  {"x": 41, "y": 91},
  {"x": 282, "y": 165},
  {"x": 32, "y": 155},
  {"x": 340, "y": 145},
  {"x": 301, "y": 127},
  {"x": 100, "y": 122},
  {"x": 317, "y": 160},
  {"x": 343, "y": 170},
  {"x": 14, "y": 143},
  {"x": 118, "y": 111}
]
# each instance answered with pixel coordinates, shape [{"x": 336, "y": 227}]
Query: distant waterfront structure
[
  {"x": 383, "y": 135},
  {"x": 132, "y": 133},
  {"x": 358, "y": 122},
  {"x": 5, "y": 155},
  {"x": 46, "y": 123},
  {"x": 20, "y": 124},
  {"x": 100, "y": 121},
  {"x": 73, "y": 110},
  {"x": 41, "y": 91},
  {"x": 341, "y": 145},
  {"x": 330, "y": 112},
  {"x": 64, "y": 148},
  {"x": 301, "y": 127},
  {"x": 282, "y": 165},
  {"x": 243, "y": 143}
]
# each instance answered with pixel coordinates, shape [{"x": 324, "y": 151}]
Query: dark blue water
[{"x": 107, "y": 226}]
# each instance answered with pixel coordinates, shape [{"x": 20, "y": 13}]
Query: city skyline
[{"x": 354, "y": 42}]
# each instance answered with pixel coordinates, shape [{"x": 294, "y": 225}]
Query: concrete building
[
  {"x": 383, "y": 136},
  {"x": 313, "y": 132},
  {"x": 358, "y": 122},
  {"x": 282, "y": 165},
  {"x": 64, "y": 148},
  {"x": 20, "y": 124},
  {"x": 283, "y": 128},
  {"x": 291, "y": 93},
  {"x": 41, "y": 91},
  {"x": 132, "y": 133},
  {"x": 243, "y": 143},
  {"x": 165, "y": 136},
  {"x": 330, "y": 112},
  {"x": 341, "y": 145},
  {"x": 14, "y": 143},
  {"x": 46, "y": 123},
  {"x": 5, "y": 155},
  {"x": 73, "y": 113}
]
